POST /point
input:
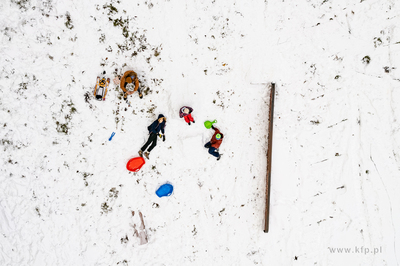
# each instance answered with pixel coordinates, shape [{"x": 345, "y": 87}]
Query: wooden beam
[{"x": 269, "y": 156}]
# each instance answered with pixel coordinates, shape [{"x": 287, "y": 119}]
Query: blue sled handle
[{"x": 112, "y": 135}]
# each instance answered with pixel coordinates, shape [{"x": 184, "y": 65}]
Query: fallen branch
[{"x": 269, "y": 157}]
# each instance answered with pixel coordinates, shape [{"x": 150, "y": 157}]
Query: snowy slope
[{"x": 67, "y": 199}]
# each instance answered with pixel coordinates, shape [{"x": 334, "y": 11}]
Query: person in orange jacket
[
  {"x": 214, "y": 143},
  {"x": 130, "y": 77}
]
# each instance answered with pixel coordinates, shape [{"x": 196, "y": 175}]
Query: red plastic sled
[{"x": 135, "y": 164}]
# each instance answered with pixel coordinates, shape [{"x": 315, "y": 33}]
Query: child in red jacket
[
  {"x": 214, "y": 143},
  {"x": 186, "y": 113}
]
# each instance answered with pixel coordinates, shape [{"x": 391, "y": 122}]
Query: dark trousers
[
  {"x": 211, "y": 150},
  {"x": 153, "y": 140}
]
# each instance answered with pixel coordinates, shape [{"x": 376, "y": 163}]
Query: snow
[{"x": 66, "y": 197}]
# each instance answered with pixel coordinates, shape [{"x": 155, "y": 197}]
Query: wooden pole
[{"x": 269, "y": 156}]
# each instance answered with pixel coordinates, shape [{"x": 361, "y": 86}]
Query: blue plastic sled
[{"x": 164, "y": 190}]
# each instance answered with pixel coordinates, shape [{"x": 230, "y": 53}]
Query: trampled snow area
[{"x": 66, "y": 197}]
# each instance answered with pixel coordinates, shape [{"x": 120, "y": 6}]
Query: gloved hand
[
  {"x": 213, "y": 127},
  {"x": 160, "y": 135},
  {"x": 163, "y": 138}
]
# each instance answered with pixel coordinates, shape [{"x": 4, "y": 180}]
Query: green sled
[{"x": 209, "y": 124}]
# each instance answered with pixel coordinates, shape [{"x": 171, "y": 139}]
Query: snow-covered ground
[{"x": 66, "y": 197}]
